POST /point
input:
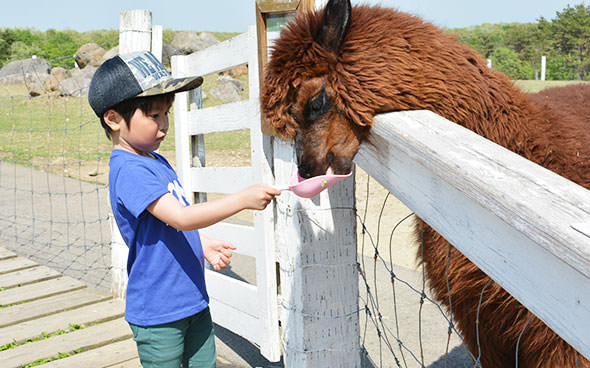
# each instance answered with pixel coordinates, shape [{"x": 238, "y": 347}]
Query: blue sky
[{"x": 236, "y": 15}]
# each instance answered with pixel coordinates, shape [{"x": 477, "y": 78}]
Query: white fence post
[
  {"x": 134, "y": 35},
  {"x": 157, "y": 42},
  {"x": 316, "y": 241},
  {"x": 135, "y": 31},
  {"x": 543, "y": 66}
]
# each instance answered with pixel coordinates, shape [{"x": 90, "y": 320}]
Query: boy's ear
[{"x": 113, "y": 119}]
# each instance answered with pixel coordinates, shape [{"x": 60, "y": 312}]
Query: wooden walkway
[{"x": 36, "y": 301}]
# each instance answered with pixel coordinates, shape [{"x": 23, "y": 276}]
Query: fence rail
[{"x": 520, "y": 223}]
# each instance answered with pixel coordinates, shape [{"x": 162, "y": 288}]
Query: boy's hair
[{"x": 128, "y": 107}]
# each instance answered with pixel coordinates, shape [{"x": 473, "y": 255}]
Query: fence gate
[{"x": 247, "y": 310}]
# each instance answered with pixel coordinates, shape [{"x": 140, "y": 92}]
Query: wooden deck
[{"x": 36, "y": 301}]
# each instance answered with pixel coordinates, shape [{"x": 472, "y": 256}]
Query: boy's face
[{"x": 145, "y": 131}]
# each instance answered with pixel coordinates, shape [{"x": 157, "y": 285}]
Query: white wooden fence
[
  {"x": 248, "y": 310},
  {"x": 523, "y": 225},
  {"x": 526, "y": 227}
]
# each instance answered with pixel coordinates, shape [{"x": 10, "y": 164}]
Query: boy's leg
[
  {"x": 199, "y": 348},
  {"x": 162, "y": 345}
]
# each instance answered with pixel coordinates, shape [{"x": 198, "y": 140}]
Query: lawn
[{"x": 62, "y": 134}]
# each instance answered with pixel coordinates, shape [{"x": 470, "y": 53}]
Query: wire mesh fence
[
  {"x": 53, "y": 183},
  {"x": 54, "y": 210}
]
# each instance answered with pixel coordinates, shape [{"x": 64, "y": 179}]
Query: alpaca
[{"x": 330, "y": 72}]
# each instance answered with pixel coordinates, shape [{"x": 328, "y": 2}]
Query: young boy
[{"x": 166, "y": 302}]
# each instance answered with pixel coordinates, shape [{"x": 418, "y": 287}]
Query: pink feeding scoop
[{"x": 311, "y": 187}]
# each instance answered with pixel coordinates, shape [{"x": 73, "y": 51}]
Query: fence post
[
  {"x": 543, "y": 66},
  {"x": 157, "y": 42},
  {"x": 134, "y": 35},
  {"x": 316, "y": 243}
]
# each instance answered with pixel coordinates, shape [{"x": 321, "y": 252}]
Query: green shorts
[{"x": 190, "y": 341}]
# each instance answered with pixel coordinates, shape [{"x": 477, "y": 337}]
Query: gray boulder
[
  {"x": 89, "y": 54},
  {"x": 227, "y": 89},
  {"x": 55, "y": 77},
  {"x": 25, "y": 71},
  {"x": 168, "y": 51},
  {"x": 191, "y": 41},
  {"x": 77, "y": 85}
]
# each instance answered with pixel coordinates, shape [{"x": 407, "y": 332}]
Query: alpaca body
[{"x": 331, "y": 72}]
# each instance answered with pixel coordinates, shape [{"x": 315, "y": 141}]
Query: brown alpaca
[{"x": 331, "y": 72}]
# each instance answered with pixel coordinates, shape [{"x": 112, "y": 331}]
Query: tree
[{"x": 571, "y": 37}]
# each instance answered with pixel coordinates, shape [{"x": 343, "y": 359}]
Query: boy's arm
[{"x": 199, "y": 215}]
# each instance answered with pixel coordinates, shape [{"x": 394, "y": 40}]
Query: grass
[{"x": 52, "y": 133}]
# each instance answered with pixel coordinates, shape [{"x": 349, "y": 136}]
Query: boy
[{"x": 166, "y": 302}]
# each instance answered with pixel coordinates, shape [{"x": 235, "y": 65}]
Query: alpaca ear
[{"x": 335, "y": 25}]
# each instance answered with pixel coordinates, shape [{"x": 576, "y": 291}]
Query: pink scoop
[{"x": 311, "y": 187}]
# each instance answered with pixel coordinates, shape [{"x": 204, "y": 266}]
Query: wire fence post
[
  {"x": 134, "y": 35},
  {"x": 316, "y": 243}
]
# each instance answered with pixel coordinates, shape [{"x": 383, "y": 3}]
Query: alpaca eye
[{"x": 317, "y": 106}]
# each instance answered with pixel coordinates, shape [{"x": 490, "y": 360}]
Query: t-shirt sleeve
[{"x": 138, "y": 186}]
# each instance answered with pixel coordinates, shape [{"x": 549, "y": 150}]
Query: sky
[{"x": 237, "y": 15}]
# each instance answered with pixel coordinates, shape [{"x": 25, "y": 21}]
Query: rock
[
  {"x": 17, "y": 72},
  {"x": 55, "y": 77},
  {"x": 168, "y": 51},
  {"x": 89, "y": 54},
  {"x": 110, "y": 54},
  {"x": 227, "y": 90},
  {"x": 190, "y": 41},
  {"x": 77, "y": 85},
  {"x": 227, "y": 79}
]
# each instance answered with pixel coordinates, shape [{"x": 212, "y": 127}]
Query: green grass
[
  {"x": 532, "y": 86},
  {"x": 50, "y": 132}
]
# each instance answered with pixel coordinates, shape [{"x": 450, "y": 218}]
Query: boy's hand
[
  {"x": 217, "y": 252},
  {"x": 258, "y": 196}
]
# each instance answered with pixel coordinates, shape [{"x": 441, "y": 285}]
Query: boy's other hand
[
  {"x": 217, "y": 252},
  {"x": 258, "y": 196}
]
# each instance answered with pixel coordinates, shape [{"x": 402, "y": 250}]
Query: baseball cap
[{"x": 135, "y": 74}]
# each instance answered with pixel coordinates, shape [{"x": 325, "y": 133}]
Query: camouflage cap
[{"x": 132, "y": 75}]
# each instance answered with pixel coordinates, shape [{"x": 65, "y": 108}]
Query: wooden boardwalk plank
[
  {"x": 99, "y": 312},
  {"x": 133, "y": 363},
  {"x": 117, "y": 354},
  {"x": 27, "y": 276},
  {"x": 15, "y": 264},
  {"x": 39, "y": 290},
  {"x": 46, "y": 306},
  {"x": 88, "y": 338},
  {"x": 5, "y": 253}
]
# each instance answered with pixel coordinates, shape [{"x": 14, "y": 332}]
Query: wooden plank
[
  {"x": 15, "y": 264},
  {"x": 93, "y": 313},
  {"x": 133, "y": 363},
  {"x": 233, "y": 292},
  {"x": 243, "y": 237},
  {"x": 508, "y": 215},
  {"x": 118, "y": 354},
  {"x": 222, "y": 180},
  {"x": 39, "y": 290},
  {"x": 222, "y": 56},
  {"x": 46, "y": 306},
  {"x": 27, "y": 276},
  {"x": 88, "y": 338},
  {"x": 5, "y": 253},
  {"x": 232, "y": 116}
]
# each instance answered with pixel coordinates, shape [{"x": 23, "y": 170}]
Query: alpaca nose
[{"x": 305, "y": 170}]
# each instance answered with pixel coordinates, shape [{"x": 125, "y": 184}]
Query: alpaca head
[{"x": 303, "y": 95}]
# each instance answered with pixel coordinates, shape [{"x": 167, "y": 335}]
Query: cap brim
[{"x": 173, "y": 86}]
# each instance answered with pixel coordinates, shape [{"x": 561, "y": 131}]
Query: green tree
[
  {"x": 507, "y": 61},
  {"x": 571, "y": 37}
]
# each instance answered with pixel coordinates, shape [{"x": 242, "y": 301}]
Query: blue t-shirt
[{"x": 165, "y": 266}]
